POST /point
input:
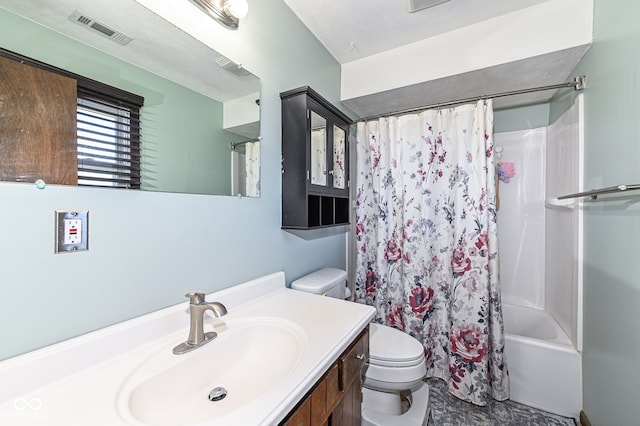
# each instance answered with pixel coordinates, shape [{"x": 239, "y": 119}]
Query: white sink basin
[
  {"x": 248, "y": 358},
  {"x": 272, "y": 346}
]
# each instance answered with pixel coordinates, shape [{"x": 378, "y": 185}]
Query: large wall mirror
[{"x": 200, "y": 122}]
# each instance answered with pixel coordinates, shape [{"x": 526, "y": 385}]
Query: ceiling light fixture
[{"x": 226, "y": 12}]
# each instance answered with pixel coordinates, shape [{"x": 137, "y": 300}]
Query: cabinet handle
[{"x": 363, "y": 365}]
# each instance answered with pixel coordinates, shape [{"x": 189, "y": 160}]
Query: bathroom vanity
[
  {"x": 336, "y": 398},
  {"x": 281, "y": 356}
]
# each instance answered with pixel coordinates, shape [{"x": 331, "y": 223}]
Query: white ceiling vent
[
  {"x": 96, "y": 26},
  {"x": 416, "y": 5}
]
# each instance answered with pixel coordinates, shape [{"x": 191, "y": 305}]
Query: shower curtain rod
[
  {"x": 577, "y": 84},
  {"x": 234, "y": 144}
]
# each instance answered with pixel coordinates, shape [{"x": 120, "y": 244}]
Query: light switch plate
[{"x": 72, "y": 231}]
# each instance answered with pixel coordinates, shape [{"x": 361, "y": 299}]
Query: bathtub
[{"x": 544, "y": 366}]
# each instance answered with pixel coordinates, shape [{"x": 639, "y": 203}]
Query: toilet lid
[{"x": 391, "y": 347}]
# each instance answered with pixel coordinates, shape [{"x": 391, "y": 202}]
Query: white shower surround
[{"x": 540, "y": 250}]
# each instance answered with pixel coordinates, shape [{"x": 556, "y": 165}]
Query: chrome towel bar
[{"x": 608, "y": 190}]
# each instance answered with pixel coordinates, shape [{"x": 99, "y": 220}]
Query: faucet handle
[{"x": 195, "y": 298}]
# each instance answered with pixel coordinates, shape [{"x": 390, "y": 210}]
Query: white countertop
[{"x": 79, "y": 381}]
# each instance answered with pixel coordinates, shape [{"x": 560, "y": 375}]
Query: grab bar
[{"x": 608, "y": 190}]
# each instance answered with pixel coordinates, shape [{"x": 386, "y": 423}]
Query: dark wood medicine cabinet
[{"x": 315, "y": 161}]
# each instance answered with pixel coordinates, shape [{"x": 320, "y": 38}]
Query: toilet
[{"x": 394, "y": 393}]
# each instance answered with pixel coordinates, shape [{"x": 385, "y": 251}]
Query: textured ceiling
[
  {"x": 349, "y": 29},
  {"x": 353, "y": 29},
  {"x": 157, "y": 46}
]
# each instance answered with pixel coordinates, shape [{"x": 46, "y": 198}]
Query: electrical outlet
[{"x": 72, "y": 231}]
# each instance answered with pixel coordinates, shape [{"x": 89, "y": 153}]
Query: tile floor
[{"x": 447, "y": 410}]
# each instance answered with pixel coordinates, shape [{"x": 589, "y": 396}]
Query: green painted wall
[
  {"x": 147, "y": 249},
  {"x": 521, "y": 118},
  {"x": 185, "y": 148},
  {"x": 612, "y": 224}
]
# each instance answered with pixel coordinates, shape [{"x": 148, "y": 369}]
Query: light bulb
[{"x": 237, "y": 8}]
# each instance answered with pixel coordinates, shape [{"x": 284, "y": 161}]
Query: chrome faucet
[{"x": 197, "y": 337}]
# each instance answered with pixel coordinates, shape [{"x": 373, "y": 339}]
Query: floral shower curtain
[
  {"x": 427, "y": 241},
  {"x": 252, "y": 167}
]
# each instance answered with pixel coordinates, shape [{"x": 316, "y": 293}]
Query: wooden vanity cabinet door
[
  {"x": 348, "y": 412},
  {"x": 319, "y": 412},
  {"x": 301, "y": 416},
  {"x": 353, "y": 362},
  {"x": 336, "y": 398},
  {"x": 334, "y": 393}
]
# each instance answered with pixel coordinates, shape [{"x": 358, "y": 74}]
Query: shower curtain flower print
[
  {"x": 468, "y": 344},
  {"x": 426, "y": 241},
  {"x": 468, "y": 347},
  {"x": 459, "y": 262},
  {"x": 421, "y": 300}
]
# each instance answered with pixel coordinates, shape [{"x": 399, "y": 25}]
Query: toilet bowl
[{"x": 394, "y": 392}]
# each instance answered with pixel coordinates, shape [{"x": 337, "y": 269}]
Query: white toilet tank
[{"x": 328, "y": 281}]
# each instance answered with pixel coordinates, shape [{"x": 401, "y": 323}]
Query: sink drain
[{"x": 217, "y": 394}]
